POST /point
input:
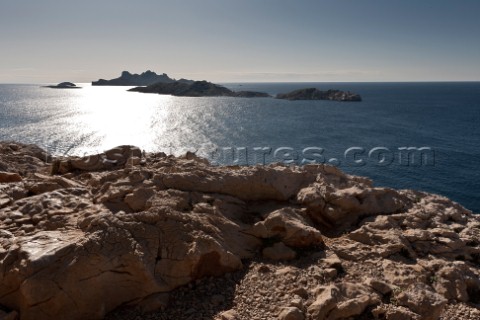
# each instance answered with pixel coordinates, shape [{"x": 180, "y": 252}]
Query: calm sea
[{"x": 442, "y": 118}]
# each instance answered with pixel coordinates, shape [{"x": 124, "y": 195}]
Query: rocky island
[
  {"x": 143, "y": 79},
  {"x": 208, "y": 89},
  {"x": 315, "y": 94},
  {"x": 196, "y": 89},
  {"x": 64, "y": 85},
  {"x": 131, "y": 235},
  {"x": 150, "y": 82}
]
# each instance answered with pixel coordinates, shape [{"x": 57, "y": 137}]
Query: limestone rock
[
  {"x": 297, "y": 302},
  {"x": 379, "y": 286},
  {"x": 456, "y": 281},
  {"x": 9, "y": 316},
  {"x": 290, "y": 226},
  {"x": 291, "y": 313},
  {"x": 342, "y": 301},
  {"x": 325, "y": 302},
  {"x": 40, "y": 183},
  {"x": 279, "y": 251},
  {"x": 22, "y": 158},
  {"x": 6, "y": 177},
  {"x": 110, "y": 159},
  {"x": 229, "y": 315},
  {"x": 423, "y": 301},
  {"x": 156, "y": 301},
  {"x": 394, "y": 313},
  {"x": 137, "y": 200},
  {"x": 258, "y": 183},
  {"x": 103, "y": 232}
]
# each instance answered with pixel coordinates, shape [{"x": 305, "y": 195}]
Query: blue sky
[{"x": 248, "y": 40}]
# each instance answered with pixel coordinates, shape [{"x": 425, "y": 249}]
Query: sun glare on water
[{"x": 119, "y": 117}]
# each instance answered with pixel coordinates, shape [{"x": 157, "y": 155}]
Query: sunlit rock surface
[{"x": 80, "y": 237}]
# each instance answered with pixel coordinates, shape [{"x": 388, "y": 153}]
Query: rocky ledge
[
  {"x": 315, "y": 94},
  {"x": 128, "y": 235}
]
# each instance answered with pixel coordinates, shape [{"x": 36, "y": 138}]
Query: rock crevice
[{"x": 84, "y": 236}]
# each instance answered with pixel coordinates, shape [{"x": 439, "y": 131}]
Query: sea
[{"x": 417, "y": 135}]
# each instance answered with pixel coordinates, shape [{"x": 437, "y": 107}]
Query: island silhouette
[{"x": 151, "y": 82}]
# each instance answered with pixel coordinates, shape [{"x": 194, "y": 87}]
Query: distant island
[
  {"x": 144, "y": 79},
  {"x": 315, "y": 94},
  {"x": 64, "y": 85},
  {"x": 196, "y": 89},
  {"x": 208, "y": 89},
  {"x": 150, "y": 82}
]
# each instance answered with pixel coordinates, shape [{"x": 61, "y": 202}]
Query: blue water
[{"x": 443, "y": 117}]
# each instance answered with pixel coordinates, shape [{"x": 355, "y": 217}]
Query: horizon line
[{"x": 233, "y": 82}]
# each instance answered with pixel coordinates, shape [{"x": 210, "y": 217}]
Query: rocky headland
[
  {"x": 129, "y": 235},
  {"x": 196, "y": 89},
  {"x": 144, "y": 79},
  {"x": 64, "y": 85},
  {"x": 316, "y": 94}
]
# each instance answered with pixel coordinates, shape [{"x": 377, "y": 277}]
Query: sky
[{"x": 240, "y": 41}]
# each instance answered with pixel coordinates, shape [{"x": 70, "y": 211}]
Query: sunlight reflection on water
[
  {"x": 443, "y": 116},
  {"x": 120, "y": 117},
  {"x": 93, "y": 119}
]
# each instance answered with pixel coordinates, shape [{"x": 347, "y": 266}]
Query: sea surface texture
[{"x": 440, "y": 120}]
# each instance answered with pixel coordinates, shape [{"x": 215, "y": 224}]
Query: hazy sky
[{"x": 243, "y": 40}]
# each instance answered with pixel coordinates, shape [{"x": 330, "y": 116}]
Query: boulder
[
  {"x": 342, "y": 301},
  {"x": 109, "y": 231},
  {"x": 290, "y": 226},
  {"x": 291, "y": 313},
  {"x": 7, "y": 177},
  {"x": 423, "y": 301},
  {"x": 111, "y": 159},
  {"x": 229, "y": 315}
]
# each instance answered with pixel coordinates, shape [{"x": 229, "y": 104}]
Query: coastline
[{"x": 162, "y": 226}]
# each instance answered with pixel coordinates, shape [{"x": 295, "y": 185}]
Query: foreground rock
[
  {"x": 315, "y": 94},
  {"x": 183, "y": 239},
  {"x": 144, "y": 79}
]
